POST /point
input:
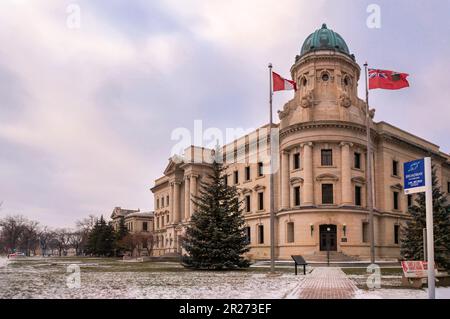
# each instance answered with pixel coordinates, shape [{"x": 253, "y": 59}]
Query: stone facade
[{"x": 320, "y": 187}]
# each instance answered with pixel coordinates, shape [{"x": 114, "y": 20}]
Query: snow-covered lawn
[
  {"x": 104, "y": 278},
  {"x": 441, "y": 293}
]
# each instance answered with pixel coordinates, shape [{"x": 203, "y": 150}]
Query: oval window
[{"x": 325, "y": 77}]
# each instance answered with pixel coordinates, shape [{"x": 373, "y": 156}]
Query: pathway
[{"x": 327, "y": 283}]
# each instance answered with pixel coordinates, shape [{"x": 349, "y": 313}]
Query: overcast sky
[{"x": 86, "y": 114}]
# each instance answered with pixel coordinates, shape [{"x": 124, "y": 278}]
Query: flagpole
[
  {"x": 369, "y": 173},
  {"x": 272, "y": 203}
]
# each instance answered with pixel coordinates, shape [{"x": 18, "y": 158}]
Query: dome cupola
[{"x": 325, "y": 39}]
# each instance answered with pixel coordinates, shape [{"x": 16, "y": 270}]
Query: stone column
[
  {"x": 171, "y": 218},
  {"x": 187, "y": 197},
  {"x": 308, "y": 184},
  {"x": 346, "y": 175},
  {"x": 193, "y": 189},
  {"x": 176, "y": 202},
  {"x": 285, "y": 185}
]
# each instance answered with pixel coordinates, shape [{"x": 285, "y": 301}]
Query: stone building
[
  {"x": 135, "y": 220},
  {"x": 320, "y": 188}
]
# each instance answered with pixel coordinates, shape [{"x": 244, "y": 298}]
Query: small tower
[{"x": 327, "y": 79}]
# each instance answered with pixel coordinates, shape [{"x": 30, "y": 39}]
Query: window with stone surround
[
  {"x": 327, "y": 157},
  {"x": 260, "y": 234},
  {"x": 236, "y": 177},
  {"x": 260, "y": 169},
  {"x": 157, "y": 203},
  {"x": 167, "y": 200},
  {"x": 145, "y": 226},
  {"x": 327, "y": 194},
  {"x": 247, "y": 173},
  {"x": 248, "y": 234},
  {"x": 162, "y": 202},
  {"x": 396, "y": 234},
  {"x": 296, "y": 161},
  {"x": 395, "y": 168},
  {"x": 358, "y": 197},
  {"x": 248, "y": 202},
  {"x": 167, "y": 218},
  {"x": 290, "y": 232},
  {"x": 365, "y": 232},
  {"x": 225, "y": 180},
  {"x": 410, "y": 200},
  {"x": 261, "y": 201},
  {"x": 297, "y": 196},
  {"x": 395, "y": 199},
  {"x": 357, "y": 161}
]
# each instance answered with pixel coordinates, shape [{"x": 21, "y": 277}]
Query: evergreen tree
[
  {"x": 121, "y": 233},
  {"x": 215, "y": 238},
  {"x": 101, "y": 241},
  {"x": 412, "y": 243}
]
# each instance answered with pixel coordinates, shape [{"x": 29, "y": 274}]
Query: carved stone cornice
[
  {"x": 327, "y": 177},
  {"x": 296, "y": 180},
  {"x": 326, "y": 124}
]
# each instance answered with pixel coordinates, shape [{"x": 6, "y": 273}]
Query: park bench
[{"x": 299, "y": 261}]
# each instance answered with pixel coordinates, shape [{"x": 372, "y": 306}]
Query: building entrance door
[{"x": 328, "y": 238}]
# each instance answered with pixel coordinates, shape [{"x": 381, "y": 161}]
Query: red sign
[{"x": 415, "y": 269}]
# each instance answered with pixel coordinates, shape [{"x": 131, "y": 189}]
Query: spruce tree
[
  {"x": 215, "y": 239},
  {"x": 412, "y": 241},
  {"x": 101, "y": 239},
  {"x": 121, "y": 233}
]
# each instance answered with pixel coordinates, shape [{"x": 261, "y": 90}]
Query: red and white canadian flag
[{"x": 281, "y": 84}]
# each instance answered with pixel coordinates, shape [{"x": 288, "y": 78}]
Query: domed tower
[
  {"x": 327, "y": 77},
  {"x": 323, "y": 150}
]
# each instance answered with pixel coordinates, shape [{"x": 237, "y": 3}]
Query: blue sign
[{"x": 414, "y": 176}]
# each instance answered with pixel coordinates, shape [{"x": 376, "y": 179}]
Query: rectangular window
[
  {"x": 448, "y": 187},
  {"x": 327, "y": 194},
  {"x": 162, "y": 221},
  {"x": 297, "y": 196},
  {"x": 248, "y": 207},
  {"x": 365, "y": 232},
  {"x": 297, "y": 161},
  {"x": 167, "y": 200},
  {"x": 236, "y": 177},
  {"x": 261, "y": 201},
  {"x": 410, "y": 200},
  {"x": 225, "y": 180},
  {"x": 395, "y": 168},
  {"x": 157, "y": 203},
  {"x": 395, "y": 199},
  {"x": 290, "y": 232},
  {"x": 396, "y": 234},
  {"x": 358, "y": 196},
  {"x": 144, "y": 226},
  {"x": 260, "y": 169},
  {"x": 162, "y": 201},
  {"x": 358, "y": 160},
  {"x": 327, "y": 158},
  {"x": 248, "y": 234},
  {"x": 260, "y": 234},
  {"x": 247, "y": 173},
  {"x": 167, "y": 219}
]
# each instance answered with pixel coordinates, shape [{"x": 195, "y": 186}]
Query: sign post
[{"x": 418, "y": 179}]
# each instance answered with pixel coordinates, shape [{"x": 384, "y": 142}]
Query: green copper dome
[{"x": 325, "y": 39}]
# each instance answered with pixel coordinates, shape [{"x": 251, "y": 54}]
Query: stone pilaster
[
  {"x": 176, "y": 202},
  {"x": 285, "y": 185},
  {"x": 187, "y": 198},
  {"x": 308, "y": 176},
  {"x": 346, "y": 174},
  {"x": 193, "y": 189}
]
